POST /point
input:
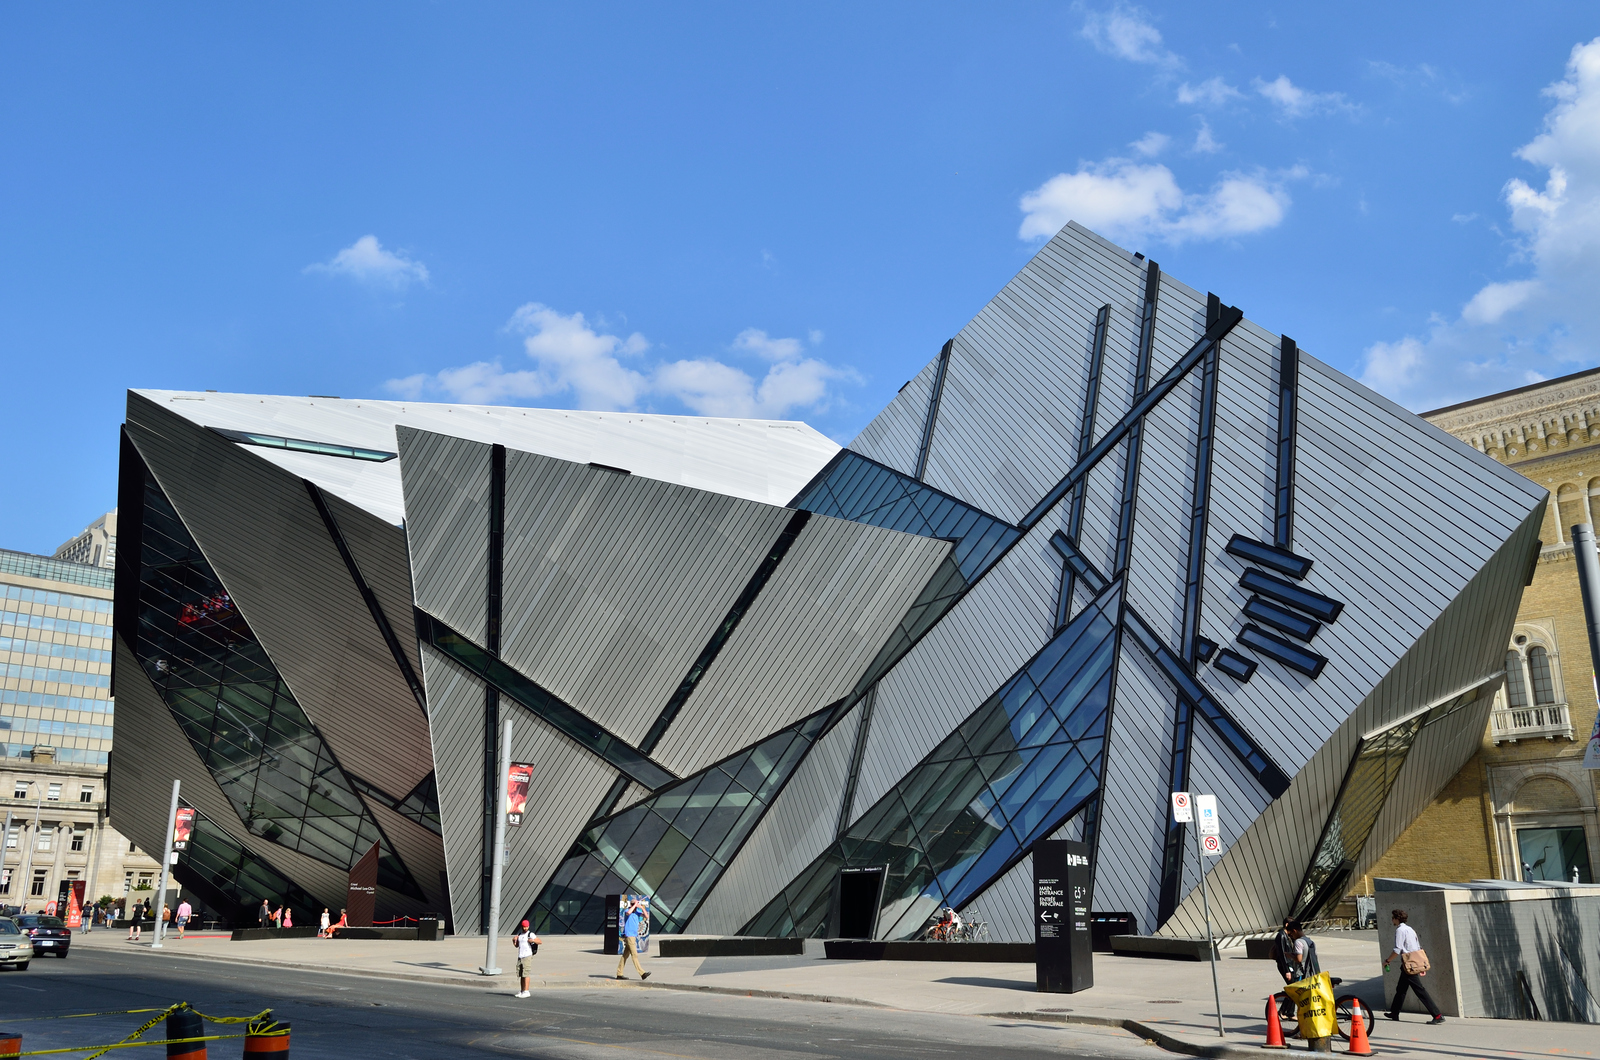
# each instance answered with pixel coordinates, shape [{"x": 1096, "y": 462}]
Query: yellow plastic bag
[{"x": 1313, "y": 998}]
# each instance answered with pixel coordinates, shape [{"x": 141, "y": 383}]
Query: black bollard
[{"x": 185, "y": 1023}]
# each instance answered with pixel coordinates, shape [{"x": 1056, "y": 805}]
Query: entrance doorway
[{"x": 859, "y": 894}]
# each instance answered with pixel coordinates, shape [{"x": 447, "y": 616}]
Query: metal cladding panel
[
  {"x": 614, "y": 583},
  {"x": 799, "y": 826},
  {"x": 1014, "y": 389},
  {"x": 1369, "y": 516},
  {"x": 1102, "y": 500},
  {"x": 1159, "y": 555},
  {"x": 895, "y": 434},
  {"x": 568, "y": 782},
  {"x": 455, "y": 712},
  {"x": 420, "y": 849},
  {"x": 447, "y": 527},
  {"x": 759, "y": 460},
  {"x": 1264, "y": 866},
  {"x": 978, "y": 645},
  {"x": 1133, "y": 799},
  {"x": 380, "y": 553},
  {"x": 152, "y": 752},
  {"x": 261, "y": 533},
  {"x": 828, "y": 608}
]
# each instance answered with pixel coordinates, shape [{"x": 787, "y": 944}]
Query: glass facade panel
[
  {"x": 225, "y": 873},
  {"x": 674, "y": 845},
  {"x": 1366, "y": 788},
  {"x": 966, "y": 813},
  {"x": 242, "y": 720}
]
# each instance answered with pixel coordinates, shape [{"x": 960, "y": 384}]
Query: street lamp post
[{"x": 167, "y": 858}]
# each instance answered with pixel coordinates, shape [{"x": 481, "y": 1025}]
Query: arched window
[
  {"x": 1544, "y": 690},
  {"x": 1516, "y": 687}
]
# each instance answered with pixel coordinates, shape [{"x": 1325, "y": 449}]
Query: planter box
[
  {"x": 951, "y": 952},
  {"x": 731, "y": 947}
]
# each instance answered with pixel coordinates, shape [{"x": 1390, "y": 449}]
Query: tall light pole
[
  {"x": 167, "y": 857},
  {"x": 489, "y": 967}
]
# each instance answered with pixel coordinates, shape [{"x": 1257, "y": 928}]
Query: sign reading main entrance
[{"x": 1063, "y": 947}]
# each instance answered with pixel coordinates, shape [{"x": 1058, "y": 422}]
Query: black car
[{"x": 50, "y": 934}]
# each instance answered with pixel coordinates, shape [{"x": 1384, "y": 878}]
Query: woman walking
[
  {"x": 136, "y": 922},
  {"x": 1413, "y": 966},
  {"x": 322, "y": 932}
]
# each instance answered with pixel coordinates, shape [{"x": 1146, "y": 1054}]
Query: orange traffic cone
[
  {"x": 1359, "y": 1046},
  {"x": 1274, "y": 1027}
]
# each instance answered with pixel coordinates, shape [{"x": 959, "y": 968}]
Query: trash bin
[
  {"x": 1102, "y": 926},
  {"x": 428, "y": 928}
]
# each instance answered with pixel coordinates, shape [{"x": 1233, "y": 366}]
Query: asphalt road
[{"x": 346, "y": 1016}]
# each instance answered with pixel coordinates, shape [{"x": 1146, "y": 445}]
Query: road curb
[{"x": 1167, "y": 1041}]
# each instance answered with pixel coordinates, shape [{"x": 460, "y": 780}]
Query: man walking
[
  {"x": 525, "y": 941},
  {"x": 185, "y": 911},
  {"x": 264, "y": 914},
  {"x": 1413, "y": 966},
  {"x": 630, "y": 941},
  {"x": 136, "y": 923}
]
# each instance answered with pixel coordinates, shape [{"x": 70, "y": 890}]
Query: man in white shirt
[
  {"x": 1406, "y": 941},
  {"x": 525, "y": 940}
]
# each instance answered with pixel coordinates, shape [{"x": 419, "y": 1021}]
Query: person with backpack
[
  {"x": 527, "y": 943},
  {"x": 1413, "y": 966}
]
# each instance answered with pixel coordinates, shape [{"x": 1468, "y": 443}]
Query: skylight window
[{"x": 301, "y": 445}]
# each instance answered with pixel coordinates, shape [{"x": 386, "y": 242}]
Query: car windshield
[
  {"x": 9, "y": 928},
  {"x": 41, "y": 921}
]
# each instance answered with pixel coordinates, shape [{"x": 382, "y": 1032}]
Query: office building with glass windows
[{"x": 1113, "y": 541}]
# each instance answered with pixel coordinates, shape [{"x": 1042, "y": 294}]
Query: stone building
[
  {"x": 56, "y": 717},
  {"x": 1524, "y": 807}
]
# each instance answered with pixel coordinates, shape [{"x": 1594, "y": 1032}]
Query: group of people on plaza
[
  {"x": 283, "y": 917},
  {"x": 1296, "y": 956}
]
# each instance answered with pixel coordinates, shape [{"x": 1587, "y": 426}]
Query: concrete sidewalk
[{"x": 1168, "y": 1002}]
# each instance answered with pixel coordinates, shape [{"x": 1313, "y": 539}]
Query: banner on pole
[
  {"x": 1591, "y": 754},
  {"x": 1205, "y": 808},
  {"x": 1182, "y": 808},
  {"x": 182, "y": 828},
  {"x": 518, "y": 777}
]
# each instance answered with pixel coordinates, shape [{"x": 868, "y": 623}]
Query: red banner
[
  {"x": 182, "y": 828},
  {"x": 517, "y": 781},
  {"x": 74, "y": 917}
]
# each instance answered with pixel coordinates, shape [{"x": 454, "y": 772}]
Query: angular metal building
[{"x": 1113, "y": 541}]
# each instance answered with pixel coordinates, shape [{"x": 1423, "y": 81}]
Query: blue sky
[{"x": 754, "y": 209}]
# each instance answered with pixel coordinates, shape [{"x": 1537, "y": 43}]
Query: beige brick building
[{"x": 1524, "y": 807}]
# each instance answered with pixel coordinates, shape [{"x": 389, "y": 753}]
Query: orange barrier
[
  {"x": 1274, "y": 1027},
  {"x": 1359, "y": 1046},
  {"x": 10, "y": 1045},
  {"x": 268, "y": 1040}
]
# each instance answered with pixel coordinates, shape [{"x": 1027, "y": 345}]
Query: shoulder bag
[{"x": 1415, "y": 962}]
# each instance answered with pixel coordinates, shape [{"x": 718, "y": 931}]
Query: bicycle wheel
[{"x": 1347, "y": 1004}]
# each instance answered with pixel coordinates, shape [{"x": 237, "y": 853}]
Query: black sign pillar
[{"x": 1063, "y": 949}]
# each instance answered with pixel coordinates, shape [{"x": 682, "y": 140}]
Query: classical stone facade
[{"x": 1524, "y": 807}]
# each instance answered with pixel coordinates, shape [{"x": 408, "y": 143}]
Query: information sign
[
  {"x": 1182, "y": 808},
  {"x": 1205, "y": 808},
  {"x": 1063, "y": 946}
]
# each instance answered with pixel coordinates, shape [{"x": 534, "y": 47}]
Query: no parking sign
[
  {"x": 1211, "y": 846},
  {"x": 1182, "y": 808}
]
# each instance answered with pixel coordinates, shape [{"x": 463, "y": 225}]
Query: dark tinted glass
[
  {"x": 674, "y": 845},
  {"x": 1012, "y": 773},
  {"x": 238, "y": 714}
]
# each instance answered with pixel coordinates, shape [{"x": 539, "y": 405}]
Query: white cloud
[
  {"x": 1120, "y": 198},
  {"x": 1296, "y": 102},
  {"x": 1151, "y": 144},
  {"x": 573, "y": 361},
  {"x": 365, "y": 260},
  {"x": 1546, "y": 323},
  {"x": 1212, "y": 92},
  {"x": 1126, "y": 32},
  {"x": 1204, "y": 142},
  {"x": 756, "y": 341}
]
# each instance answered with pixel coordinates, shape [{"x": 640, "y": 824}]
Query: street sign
[
  {"x": 1211, "y": 846},
  {"x": 1206, "y": 807},
  {"x": 1063, "y": 948},
  {"x": 1182, "y": 808}
]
